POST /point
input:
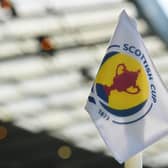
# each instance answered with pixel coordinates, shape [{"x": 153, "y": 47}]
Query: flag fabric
[{"x": 128, "y": 101}]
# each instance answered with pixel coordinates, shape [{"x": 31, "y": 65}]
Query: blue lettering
[
  {"x": 137, "y": 52},
  {"x": 103, "y": 115},
  {"x": 131, "y": 49},
  {"x": 153, "y": 91},
  {"x": 125, "y": 47}
]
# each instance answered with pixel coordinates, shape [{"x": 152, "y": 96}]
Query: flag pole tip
[{"x": 124, "y": 13}]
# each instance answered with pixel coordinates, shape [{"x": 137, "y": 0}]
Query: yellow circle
[
  {"x": 121, "y": 100},
  {"x": 64, "y": 152}
]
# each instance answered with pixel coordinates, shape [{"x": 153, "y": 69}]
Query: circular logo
[{"x": 122, "y": 85}]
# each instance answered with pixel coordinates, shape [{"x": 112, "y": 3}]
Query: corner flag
[{"x": 128, "y": 101}]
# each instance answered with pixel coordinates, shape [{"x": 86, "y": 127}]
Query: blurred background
[{"x": 50, "y": 51}]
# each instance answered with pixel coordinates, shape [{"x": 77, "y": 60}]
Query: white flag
[{"x": 128, "y": 101}]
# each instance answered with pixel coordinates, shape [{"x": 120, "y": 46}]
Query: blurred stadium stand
[
  {"x": 50, "y": 51},
  {"x": 24, "y": 149}
]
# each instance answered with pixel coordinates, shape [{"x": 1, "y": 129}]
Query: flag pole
[{"x": 134, "y": 162}]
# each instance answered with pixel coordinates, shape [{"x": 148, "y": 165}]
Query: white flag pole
[{"x": 134, "y": 162}]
